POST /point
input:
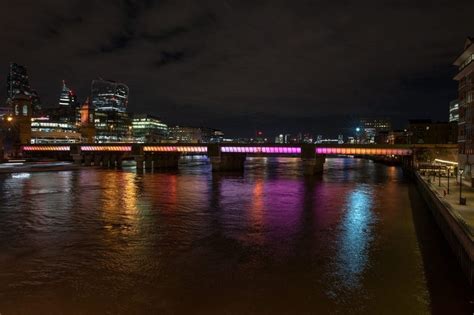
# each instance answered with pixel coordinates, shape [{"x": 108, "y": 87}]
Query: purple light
[{"x": 266, "y": 150}]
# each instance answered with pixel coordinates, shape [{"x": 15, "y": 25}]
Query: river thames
[{"x": 356, "y": 240}]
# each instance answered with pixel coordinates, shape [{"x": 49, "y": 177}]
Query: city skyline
[{"x": 182, "y": 63}]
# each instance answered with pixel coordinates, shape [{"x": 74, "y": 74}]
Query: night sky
[{"x": 278, "y": 66}]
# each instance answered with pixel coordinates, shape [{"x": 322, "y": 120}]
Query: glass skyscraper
[
  {"x": 67, "y": 97},
  {"x": 17, "y": 81},
  {"x": 109, "y": 95},
  {"x": 112, "y": 122}
]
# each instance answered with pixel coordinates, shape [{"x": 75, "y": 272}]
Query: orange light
[{"x": 9, "y": 118}]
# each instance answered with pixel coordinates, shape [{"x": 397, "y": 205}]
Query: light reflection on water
[{"x": 267, "y": 241}]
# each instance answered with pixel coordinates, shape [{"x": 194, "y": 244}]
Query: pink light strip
[
  {"x": 168, "y": 148},
  {"x": 363, "y": 151},
  {"x": 265, "y": 150},
  {"x": 122, "y": 148},
  {"x": 46, "y": 148}
]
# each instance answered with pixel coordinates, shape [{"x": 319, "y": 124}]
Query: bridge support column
[
  {"x": 148, "y": 162},
  {"x": 166, "y": 160},
  {"x": 88, "y": 160},
  {"x": 77, "y": 158},
  {"x": 119, "y": 161},
  {"x": 228, "y": 162},
  {"x": 97, "y": 159},
  {"x": 313, "y": 166},
  {"x": 105, "y": 161},
  {"x": 139, "y": 161}
]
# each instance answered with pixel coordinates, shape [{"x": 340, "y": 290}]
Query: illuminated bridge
[{"x": 223, "y": 157}]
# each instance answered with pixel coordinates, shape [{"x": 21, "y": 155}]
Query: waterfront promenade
[{"x": 463, "y": 213}]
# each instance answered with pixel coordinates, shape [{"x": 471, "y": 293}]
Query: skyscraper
[
  {"x": 109, "y": 100},
  {"x": 465, "y": 77},
  {"x": 18, "y": 84},
  {"x": 17, "y": 81},
  {"x": 67, "y": 97},
  {"x": 109, "y": 95}
]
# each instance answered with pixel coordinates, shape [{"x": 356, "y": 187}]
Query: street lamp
[
  {"x": 449, "y": 171},
  {"x": 439, "y": 175},
  {"x": 461, "y": 200},
  {"x": 357, "y": 134}
]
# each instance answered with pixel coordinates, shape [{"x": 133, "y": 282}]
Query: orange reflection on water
[{"x": 257, "y": 209}]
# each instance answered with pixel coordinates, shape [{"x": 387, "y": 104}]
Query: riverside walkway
[{"x": 464, "y": 214}]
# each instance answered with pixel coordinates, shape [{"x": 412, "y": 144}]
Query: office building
[
  {"x": 112, "y": 126},
  {"x": 185, "y": 134},
  {"x": 18, "y": 83},
  {"x": 67, "y": 97},
  {"x": 369, "y": 129},
  {"x": 424, "y": 131},
  {"x": 43, "y": 130},
  {"x": 454, "y": 111},
  {"x": 465, "y": 78},
  {"x": 148, "y": 129},
  {"x": 109, "y": 95}
]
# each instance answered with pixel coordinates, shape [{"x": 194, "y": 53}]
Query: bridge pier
[
  {"x": 119, "y": 161},
  {"x": 139, "y": 161},
  {"x": 313, "y": 166},
  {"x": 166, "y": 161},
  {"x": 228, "y": 162},
  {"x": 88, "y": 160},
  {"x": 97, "y": 159},
  {"x": 77, "y": 158},
  {"x": 105, "y": 161},
  {"x": 148, "y": 162}
]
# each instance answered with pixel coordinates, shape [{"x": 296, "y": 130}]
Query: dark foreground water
[{"x": 358, "y": 240}]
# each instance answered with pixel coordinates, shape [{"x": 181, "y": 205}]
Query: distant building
[
  {"x": 210, "y": 135},
  {"x": 67, "y": 97},
  {"x": 465, "y": 77},
  {"x": 185, "y": 134},
  {"x": 112, "y": 126},
  {"x": 398, "y": 137},
  {"x": 454, "y": 111},
  {"x": 18, "y": 83},
  {"x": 424, "y": 131},
  {"x": 370, "y": 128},
  {"x": 86, "y": 124},
  {"x": 148, "y": 129},
  {"x": 112, "y": 122},
  {"x": 43, "y": 130},
  {"x": 109, "y": 95}
]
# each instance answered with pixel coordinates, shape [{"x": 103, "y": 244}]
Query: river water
[{"x": 356, "y": 240}]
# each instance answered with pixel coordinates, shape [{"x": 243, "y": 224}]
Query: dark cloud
[{"x": 280, "y": 65}]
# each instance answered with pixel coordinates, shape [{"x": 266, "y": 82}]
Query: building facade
[
  {"x": 148, "y": 129},
  {"x": 43, "y": 130},
  {"x": 465, "y": 78},
  {"x": 370, "y": 128},
  {"x": 67, "y": 97},
  {"x": 425, "y": 131},
  {"x": 454, "y": 111},
  {"x": 18, "y": 84},
  {"x": 109, "y": 95},
  {"x": 112, "y": 122}
]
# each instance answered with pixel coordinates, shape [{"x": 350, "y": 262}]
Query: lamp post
[
  {"x": 357, "y": 135},
  {"x": 449, "y": 171},
  {"x": 460, "y": 186},
  {"x": 439, "y": 175}
]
